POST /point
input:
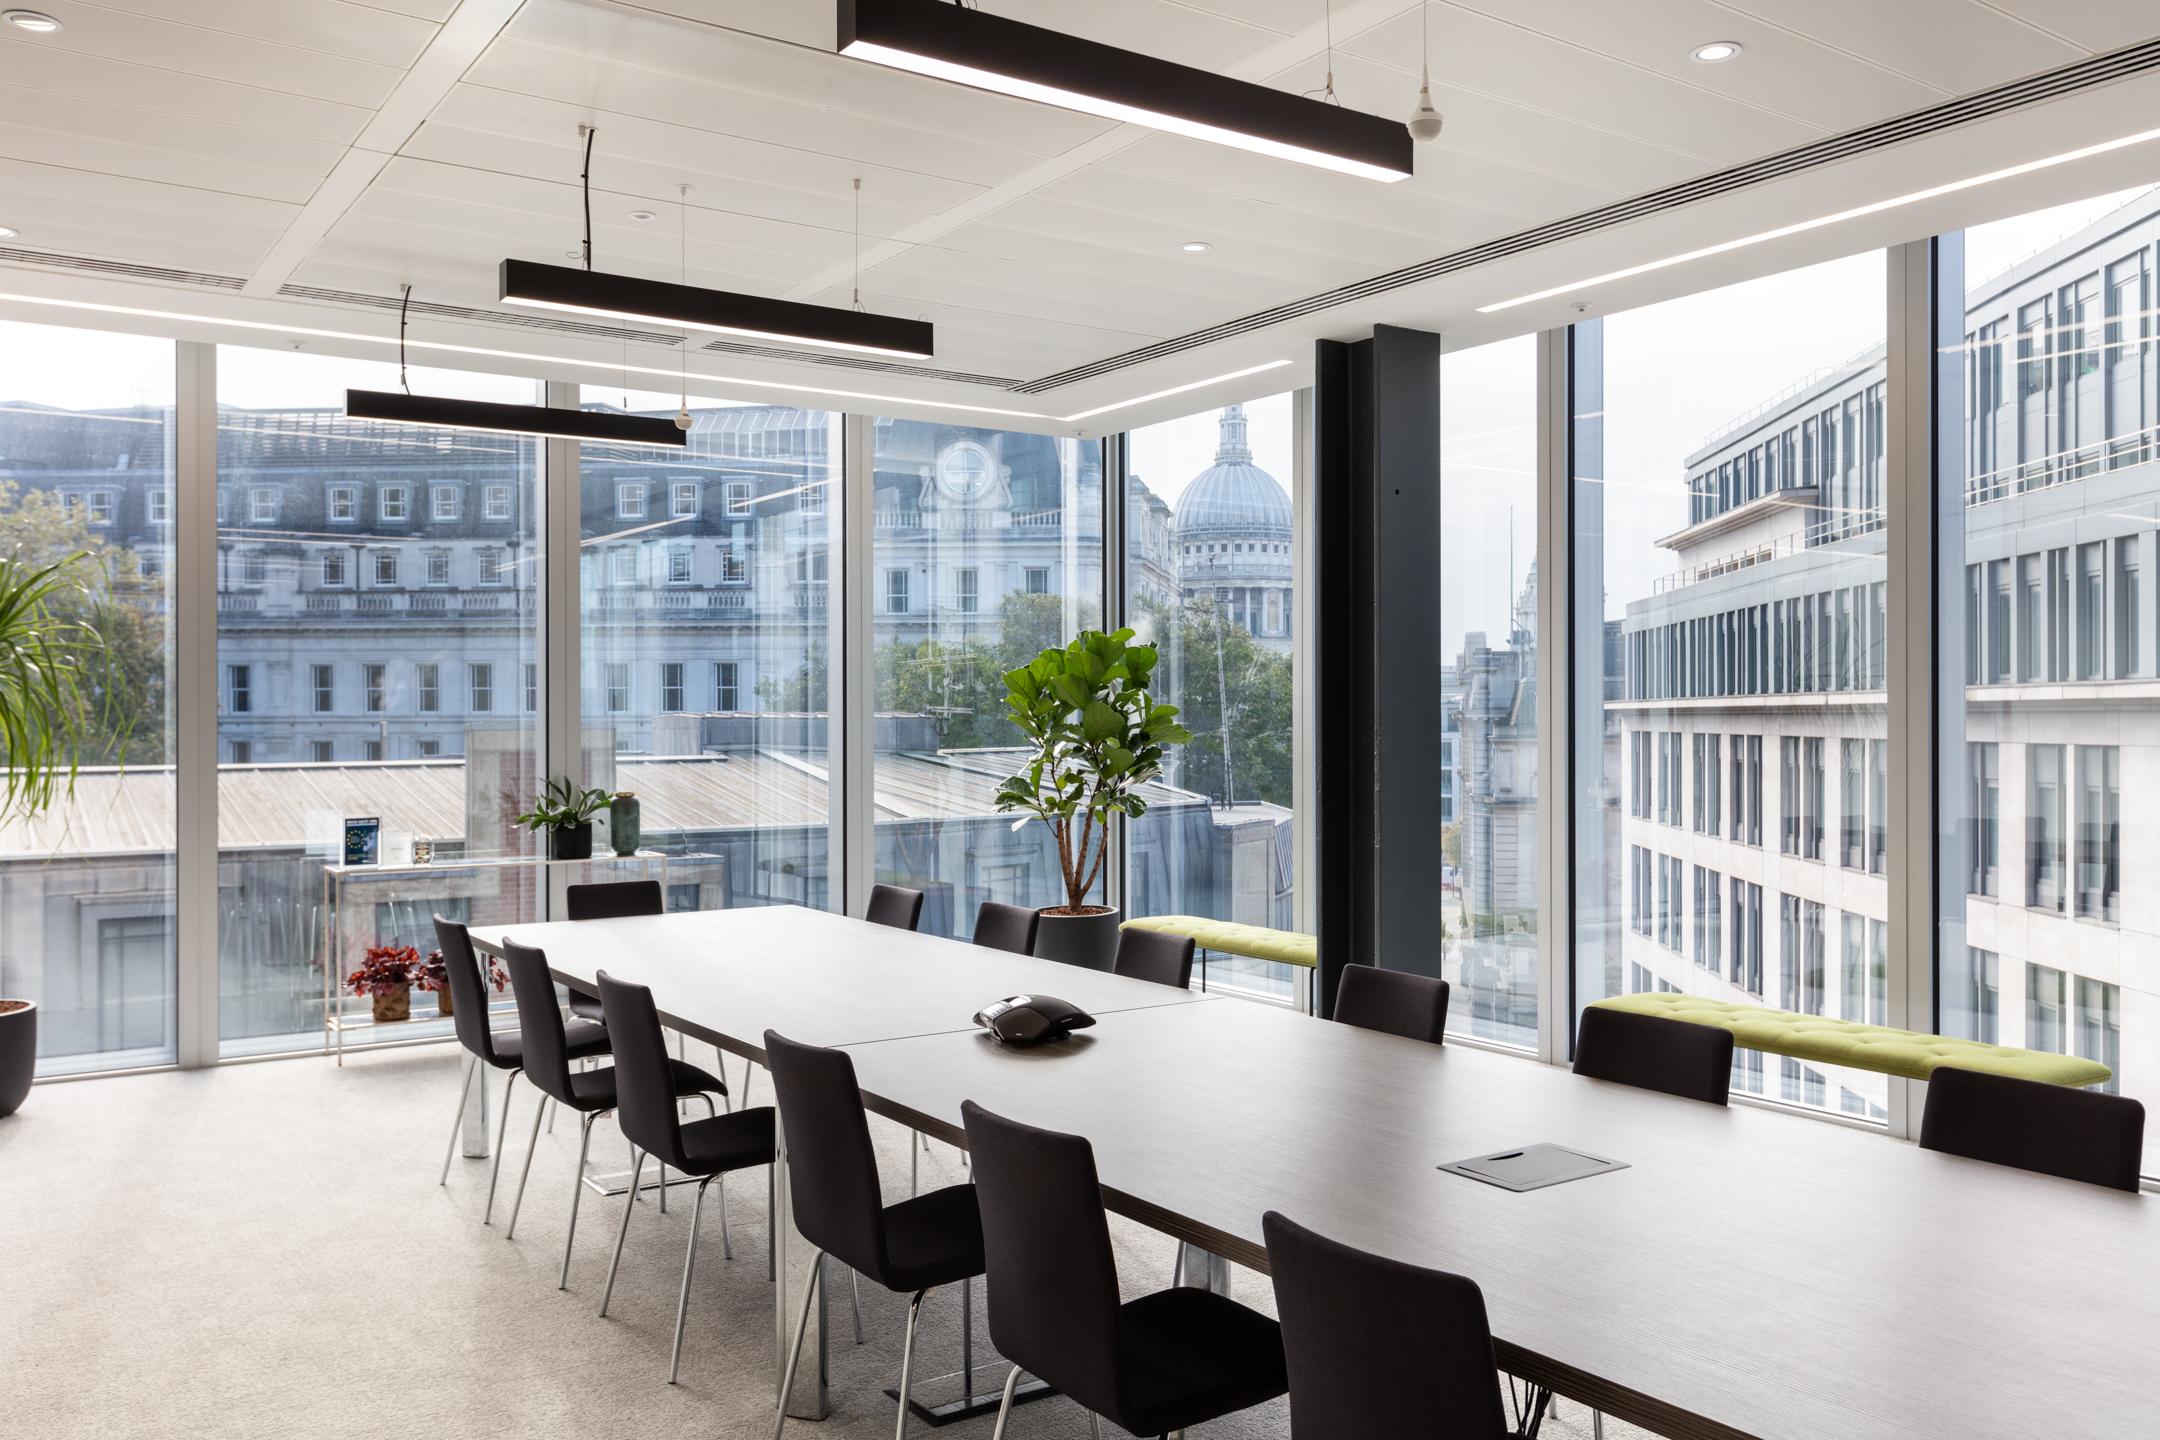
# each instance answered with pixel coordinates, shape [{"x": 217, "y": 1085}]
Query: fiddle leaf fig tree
[{"x": 1098, "y": 737}]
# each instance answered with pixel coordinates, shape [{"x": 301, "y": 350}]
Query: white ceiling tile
[
  {"x": 1216, "y": 217},
  {"x": 1132, "y": 245},
  {"x": 334, "y": 27},
  {"x": 165, "y": 131},
  {"x": 529, "y": 135},
  {"x": 1953, "y": 44},
  {"x": 1777, "y": 70},
  {"x": 1213, "y": 293},
  {"x": 161, "y": 45},
  {"x": 1452, "y": 195},
  {"x": 1542, "y": 73},
  {"x": 927, "y": 273},
  {"x": 93, "y": 77},
  {"x": 538, "y": 70},
  {"x": 144, "y": 232},
  {"x": 2096, "y": 24},
  {"x": 798, "y": 83},
  {"x": 83, "y": 154},
  {"x": 177, "y": 202}
]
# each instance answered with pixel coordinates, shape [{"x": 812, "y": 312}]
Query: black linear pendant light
[
  {"x": 990, "y": 52},
  {"x": 405, "y": 408},
  {"x": 625, "y": 297},
  {"x": 434, "y": 410},
  {"x": 691, "y": 307}
]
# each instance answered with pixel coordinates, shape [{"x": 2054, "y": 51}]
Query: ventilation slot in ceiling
[
  {"x": 1980, "y": 105},
  {"x": 164, "y": 275},
  {"x": 483, "y": 317},
  {"x": 854, "y": 362}
]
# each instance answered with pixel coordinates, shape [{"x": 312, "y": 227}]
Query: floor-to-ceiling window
[
  {"x": 1490, "y": 721},
  {"x": 702, "y": 578},
  {"x": 1209, "y": 551},
  {"x": 376, "y": 623},
  {"x": 2052, "y": 948},
  {"x": 986, "y": 549},
  {"x": 86, "y": 870},
  {"x": 1741, "y": 840}
]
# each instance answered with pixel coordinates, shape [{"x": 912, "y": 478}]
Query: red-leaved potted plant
[
  {"x": 386, "y": 973},
  {"x": 431, "y": 975}
]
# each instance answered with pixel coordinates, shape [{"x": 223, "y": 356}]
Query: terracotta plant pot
[
  {"x": 571, "y": 842},
  {"x": 18, "y": 1052},
  {"x": 397, "y": 1005},
  {"x": 442, "y": 1001},
  {"x": 1089, "y": 941}
]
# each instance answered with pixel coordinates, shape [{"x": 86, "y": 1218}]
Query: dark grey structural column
[{"x": 1376, "y": 440}]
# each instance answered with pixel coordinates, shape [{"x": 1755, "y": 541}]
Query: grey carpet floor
[{"x": 262, "y": 1252}]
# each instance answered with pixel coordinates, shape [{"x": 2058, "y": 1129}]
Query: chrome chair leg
[
  {"x": 1597, "y": 1425},
  {"x": 855, "y": 1288},
  {"x": 727, "y": 1246},
  {"x": 637, "y": 1171},
  {"x": 1005, "y": 1405},
  {"x": 914, "y": 1169},
  {"x": 464, "y": 1097},
  {"x": 907, "y": 1364},
  {"x": 772, "y": 1224},
  {"x": 1094, "y": 1427},
  {"x": 689, "y": 1262},
  {"x": 802, "y": 1328},
  {"x": 967, "y": 1337},
  {"x": 494, "y": 1174},
  {"x": 577, "y": 1193},
  {"x": 525, "y": 1174}
]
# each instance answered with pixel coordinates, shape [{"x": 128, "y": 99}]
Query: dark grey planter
[
  {"x": 1089, "y": 941},
  {"x": 570, "y": 842},
  {"x": 18, "y": 1056}
]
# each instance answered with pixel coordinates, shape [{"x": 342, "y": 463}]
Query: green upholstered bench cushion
[
  {"x": 1863, "y": 1047},
  {"x": 1231, "y": 938}
]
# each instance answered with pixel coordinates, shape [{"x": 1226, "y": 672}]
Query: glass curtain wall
[
  {"x": 703, "y": 577},
  {"x": 986, "y": 549},
  {"x": 2053, "y": 951},
  {"x": 376, "y": 623},
  {"x": 1489, "y": 737},
  {"x": 1742, "y": 771},
  {"x": 1208, "y": 582},
  {"x": 87, "y": 927}
]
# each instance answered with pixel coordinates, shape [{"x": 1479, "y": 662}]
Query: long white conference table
[{"x": 1749, "y": 1274}]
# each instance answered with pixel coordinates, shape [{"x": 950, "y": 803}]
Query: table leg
[
  {"x": 476, "y": 1115},
  {"x": 808, "y": 1399},
  {"x": 1203, "y": 1269}
]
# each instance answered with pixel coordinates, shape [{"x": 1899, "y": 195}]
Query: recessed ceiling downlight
[
  {"x": 1196, "y": 247},
  {"x": 1715, "y": 51},
  {"x": 33, "y": 20},
  {"x": 642, "y": 215}
]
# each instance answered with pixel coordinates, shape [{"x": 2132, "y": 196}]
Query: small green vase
[{"x": 624, "y": 824}]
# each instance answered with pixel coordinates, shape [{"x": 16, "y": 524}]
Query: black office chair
[
  {"x": 590, "y": 1093},
  {"x": 608, "y": 902},
  {"x": 1356, "y": 1328},
  {"x": 1155, "y": 955},
  {"x": 1394, "y": 1002},
  {"x": 1168, "y": 1360},
  {"x": 894, "y": 905},
  {"x": 919, "y": 1244},
  {"x": 1650, "y": 1052},
  {"x": 645, "y": 1108},
  {"x": 502, "y": 1050},
  {"x": 1007, "y": 927},
  {"x": 2073, "y": 1134}
]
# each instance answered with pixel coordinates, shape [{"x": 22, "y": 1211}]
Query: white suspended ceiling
[{"x": 349, "y": 147}]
